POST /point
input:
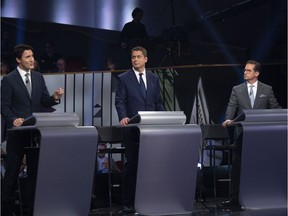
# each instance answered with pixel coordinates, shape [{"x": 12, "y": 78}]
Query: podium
[
  {"x": 263, "y": 181},
  {"x": 167, "y": 166},
  {"x": 67, "y": 155}
]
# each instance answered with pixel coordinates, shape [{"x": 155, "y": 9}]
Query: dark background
[
  {"x": 196, "y": 32},
  {"x": 184, "y": 32}
]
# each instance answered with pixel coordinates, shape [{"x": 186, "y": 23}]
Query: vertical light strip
[
  {"x": 62, "y": 12},
  {"x": 107, "y": 14}
]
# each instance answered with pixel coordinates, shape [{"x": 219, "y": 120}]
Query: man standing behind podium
[
  {"x": 23, "y": 92},
  {"x": 252, "y": 94},
  {"x": 133, "y": 95}
]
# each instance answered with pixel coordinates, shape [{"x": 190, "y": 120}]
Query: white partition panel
[
  {"x": 107, "y": 99},
  {"x": 97, "y": 103},
  {"x": 115, "y": 120},
  {"x": 88, "y": 100},
  {"x": 86, "y": 94},
  {"x": 54, "y": 82},
  {"x": 79, "y": 96},
  {"x": 69, "y": 94}
]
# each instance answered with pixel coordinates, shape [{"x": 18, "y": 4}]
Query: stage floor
[{"x": 207, "y": 208}]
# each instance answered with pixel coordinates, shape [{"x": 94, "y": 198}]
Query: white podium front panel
[{"x": 167, "y": 169}]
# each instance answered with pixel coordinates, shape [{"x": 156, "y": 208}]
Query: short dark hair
[
  {"x": 20, "y": 48},
  {"x": 257, "y": 65},
  {"x": 137, "y": 10},
  {"x": 139, "y": 48}
]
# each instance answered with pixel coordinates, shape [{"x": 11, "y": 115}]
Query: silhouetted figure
[
  {"x": 134, "y": 32},
  {"x": 49, "y": 59}
]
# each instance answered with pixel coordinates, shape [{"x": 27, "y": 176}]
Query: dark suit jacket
[
  {"x": 129, "y": 99},
  {"x": 15, "y": 99},
  {"x": 239, "y": 99}
]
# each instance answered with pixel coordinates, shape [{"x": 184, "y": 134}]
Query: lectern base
[
  {"x": 167, "y": 169},
  {"x": 65, "y": 171}
]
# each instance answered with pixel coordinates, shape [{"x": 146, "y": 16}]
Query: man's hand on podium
[
  {"x": 124, "y": 121},
  {"x": 18, "y": 122}
]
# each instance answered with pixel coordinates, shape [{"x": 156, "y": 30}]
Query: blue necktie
[
  {"x": 251, "y": 95},
  {"x": 142, "y": 85}
]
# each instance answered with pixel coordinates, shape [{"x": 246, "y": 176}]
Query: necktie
[
  {"x": 142, "y": 85},
  {"x": 251, "y": 95},
  {"x": 28, "y": 84}
]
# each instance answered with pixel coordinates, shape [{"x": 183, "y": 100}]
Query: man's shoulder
[
  {"x": 149, "y": 73},
  {"x": 126, "y": 73},
  {"x": 37, "y": 73},
  {"x": 129, "y": 24},
  {"x": 11, "y": 74},
  {"x": 240, "y": 86},
  {"x": 263, "y": 85}
]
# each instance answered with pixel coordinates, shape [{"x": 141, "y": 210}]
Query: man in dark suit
[
  {"x": 23, "y": 92},
  {"x": 135, "y": 95},
  {"x": 252, "y": 94}
]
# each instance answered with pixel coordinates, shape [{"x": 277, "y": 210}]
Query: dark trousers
[
  {"x": 16, "y": 143},
  {"x": 131, "y": 143}
]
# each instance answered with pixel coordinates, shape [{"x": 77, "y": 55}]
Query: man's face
[
  {"x": 61, "y": 65},
  {"x": 101, "y": 153},
  {"x": 250, "y": 74},
  {"x": 138, "y": 16},
  {"x": 26, "y": 62},
  {"x": 138, "y": 60}
]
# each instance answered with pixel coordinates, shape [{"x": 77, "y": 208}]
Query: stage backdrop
[{"x": 92, "y": 95}]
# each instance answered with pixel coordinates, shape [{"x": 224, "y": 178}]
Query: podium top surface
[
  {"x": 51, "y": 120},
  {"x": 159, "y": 118}
]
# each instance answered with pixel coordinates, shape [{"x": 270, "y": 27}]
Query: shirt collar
[
  {"x": 22, "y": 72},
  {"x": 138, "y": 72},
  {"x": 254, "y": 84}
]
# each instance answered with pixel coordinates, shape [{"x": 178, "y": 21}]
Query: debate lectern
[
  {"x": 263, "y": 180},
  {"x": 167, "y": 166},
  {"x": 67, "y": 154}
]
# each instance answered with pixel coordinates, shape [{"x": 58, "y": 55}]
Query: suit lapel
[
  {"x": 246, "y": 95},
  {"x": 148, "y": 83},
  {"x": 258, "y": 93},
  {"x": 21, "y": 84},
  {"x": 136, "y": 83},
  {"x": 34, "y": 83}
]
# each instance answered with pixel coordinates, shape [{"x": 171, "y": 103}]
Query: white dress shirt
[
  {"x": 255, "y": 86},
  {"x": 22, "y": 73},
  {"x": 143, "y": 76}
]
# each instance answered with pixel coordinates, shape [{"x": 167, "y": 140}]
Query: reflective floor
[{"x": 207, "y": 208}]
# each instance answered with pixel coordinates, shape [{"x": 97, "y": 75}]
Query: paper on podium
[{"x": 30, "y": 121}]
